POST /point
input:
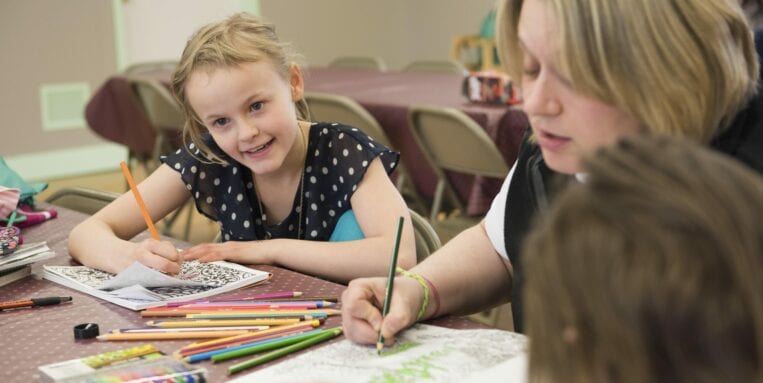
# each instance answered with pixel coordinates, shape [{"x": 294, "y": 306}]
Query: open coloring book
[
  {"x": 139, "y": 287},
  {"x": 422, "y": 353}
]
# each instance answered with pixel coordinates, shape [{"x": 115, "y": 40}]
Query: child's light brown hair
[
  {"x": 239, "y": 39},
  {"x": 650, "y": 271}
]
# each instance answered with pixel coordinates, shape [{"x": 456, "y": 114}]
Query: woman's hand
[
  {"x": 239, "y": 252},
  {"x": 363, "y": 300},
  {"x": 159, "y": 255}
]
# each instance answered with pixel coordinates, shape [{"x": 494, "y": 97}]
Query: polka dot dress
[{"x": 337, "y": 159}]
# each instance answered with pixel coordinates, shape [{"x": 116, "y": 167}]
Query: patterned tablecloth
[{"x": 43, "y": 335}]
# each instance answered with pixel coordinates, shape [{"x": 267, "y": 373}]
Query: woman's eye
[{"x": 256, "y": 106}]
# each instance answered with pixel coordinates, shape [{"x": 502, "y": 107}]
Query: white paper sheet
[
  {"x": 141, "y": 275},
  {"x": 422, "y": 353}
]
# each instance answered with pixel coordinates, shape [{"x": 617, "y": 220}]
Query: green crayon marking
[
  {"x": 399, "y": 348},
  {"x": 413, "y": 370}
]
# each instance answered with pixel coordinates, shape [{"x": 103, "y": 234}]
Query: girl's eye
[
  {"x": 256, "y": 106},
  {"x": 531, "y": 70},
  {"x": 219, "y": 122}
]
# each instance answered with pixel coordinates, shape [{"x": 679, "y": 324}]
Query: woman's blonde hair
[
  {"x": 239, "y": 39},
  {"x": 650, "y": 270},
  {"x": 679, "y": 67}
]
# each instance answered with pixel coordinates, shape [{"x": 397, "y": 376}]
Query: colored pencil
[
  {"x": 211, "y": 328},
  {"x": 181, "y": 312},
  {"x": 174, "y": 335},
  {"x": 209, "y": 354},
  {"x": 390, "y": 282},
  {"x": 285, "y": 351},
  {"x": 265, "y": 296},
  {"x": 139, "y": 200},
  {"x": 223, "y": 322},
  {"x": 248, "y": 338},
  {"x": 255, "y": 348},
  {"x": 245, "y": 313}
]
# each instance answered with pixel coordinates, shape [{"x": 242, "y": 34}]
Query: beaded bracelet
[{"x": 424, "y": 283}]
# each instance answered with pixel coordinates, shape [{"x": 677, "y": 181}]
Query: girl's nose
[{"x": 247, "y": 130}]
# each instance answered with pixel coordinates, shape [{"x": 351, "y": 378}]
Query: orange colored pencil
[
  {"x": 223, "y": 322},
  {"x": 139, "y": 200},
  {"x": 173, "y": 335},
  {"x": 248, "y": 338}
]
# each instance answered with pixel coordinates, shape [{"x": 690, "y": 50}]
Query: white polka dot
[
  {"x": 354, "y": 129},
  {"x": 317, "y": 152},
  {"x": 365, "y": 163},
  {"x": 223, "y": 207},
  {"x": 325, "y": 170},
  {"x": 314, "y": 207},
  {"x": 209, "y": 200},
  {"x": 333, "y": 161},
  {"x": 341, "y": 135},
  {"x": 359, "y": 147},
  {"x": 370, "y": 138},
  {"x": 313, "y": 179},
  {"x": 291, "y": 227},
  {"x": 330, "y": 144},
  {"x": 240, "y": 197},
  {"x": 345, "y": 152},
  {"x": 314, "y": 233},
  {"x": 177, "y": 165},
  {"x": 202, "y": 175},
  {"x": 339, "y": 203},
  {"x": 324, "y": 224},
  {"x": 178, "y": 151},
  {"x": 197, "y": 195},
  {"x": 351, "y": 171},
  {"x": 258, "y": 221},
  {"x": 216, "y": 181},
  {"x": 307, "y": 194},
  {"x": 227, "y": 237},
  {"x": 233, "y": 216},
  {"x": 371, "y": 145},
  {"x": 191, "y": 146},
  {"x": 354, "y": 187},
  {"x": 345, "y": 197},
  {"x": 307, "y": 220},
  {"x": 188, "y": 187},
  {"x": 392, "y": 164},
  {"x": 193, "y": 169},
  {"x": 323, "y": 198},
  {"x": 325, "y": 131},
  {"x": 334, "y": 187},
  {"x": 249, "y": 185},
  {"x": 308, "y": 169},
  {"x": 229, "y": 187},
  {"x": 246, "y": 224},
  {"x": 332, "y": 212},
  {"x": 298, "y": 209},
  {"x": 235, "y": 170},
  {"x": 341, "y": 179}
]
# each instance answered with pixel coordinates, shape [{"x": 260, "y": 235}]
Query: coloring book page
[
  {"x": 198, "y": 280},
  {"x": 422, "y": 353}
]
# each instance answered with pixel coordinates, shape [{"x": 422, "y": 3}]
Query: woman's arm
[
  {"x": 102, "y": 240},
  {"x": 377, "y": 205},
  {"x": 467, "y": 273}
]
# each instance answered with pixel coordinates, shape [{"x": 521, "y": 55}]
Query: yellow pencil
[
  {"x": 172, "y": 335},
  {"x": 223, "y": 322}
]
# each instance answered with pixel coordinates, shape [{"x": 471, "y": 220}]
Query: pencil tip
[{"x": 379, "y": 346}]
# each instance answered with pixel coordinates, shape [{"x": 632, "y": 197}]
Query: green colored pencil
[
  {"x": 285, "y": 351},
  {"x": 390, "y": 282},
  {"x": 223, "y": 356}
]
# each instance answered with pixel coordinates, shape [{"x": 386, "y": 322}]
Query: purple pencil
[{"x": 273, "y": 295}]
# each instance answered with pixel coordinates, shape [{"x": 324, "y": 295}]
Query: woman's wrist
[{"x": 430, "y": 303}]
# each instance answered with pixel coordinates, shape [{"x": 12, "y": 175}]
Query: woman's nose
[{"x": 540, "y": 97}]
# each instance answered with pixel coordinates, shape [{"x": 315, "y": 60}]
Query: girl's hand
[
  {"x": 362, "y": 303},
  {"x": 159, "y": 255},
  {"x": 239, "y": 252}
]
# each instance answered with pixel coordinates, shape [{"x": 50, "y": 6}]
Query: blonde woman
[{"x": 591, "y": 72}]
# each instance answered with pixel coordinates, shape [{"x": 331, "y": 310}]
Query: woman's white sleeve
[{"x": 494, "y": 219}]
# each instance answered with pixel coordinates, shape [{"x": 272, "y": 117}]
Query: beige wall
[
  {"x": 49, "y": 42},
  {"x": 396, "y": 30}
]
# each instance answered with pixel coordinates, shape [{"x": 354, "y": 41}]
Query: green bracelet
[{"x": 424, "y": 284}]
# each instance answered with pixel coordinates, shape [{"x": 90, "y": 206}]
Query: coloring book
[{"x": 139, "y": 287}]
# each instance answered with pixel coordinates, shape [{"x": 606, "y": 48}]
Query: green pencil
[
  {"x": 390, "y": 282},
  {"x": 285, "y": 351},
  {"x": 223, "y": 356}
]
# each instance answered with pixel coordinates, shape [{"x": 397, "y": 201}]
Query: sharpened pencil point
[{"x": 379, "y": 347}]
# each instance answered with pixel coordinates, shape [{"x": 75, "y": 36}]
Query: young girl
[{"x": 277, "y": 184}]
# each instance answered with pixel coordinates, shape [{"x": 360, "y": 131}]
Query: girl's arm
[
  {"x": 102, "y": 240},
  {"x": 377, "y": 205},
  {"x": 467, "y": 273}
]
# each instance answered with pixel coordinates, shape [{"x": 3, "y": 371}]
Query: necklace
[{"x": 299, "y": 209}]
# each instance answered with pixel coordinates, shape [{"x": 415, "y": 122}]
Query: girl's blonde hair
[
  {"x": 679, "y": 67},
  {"x": 239, "y": 39}
]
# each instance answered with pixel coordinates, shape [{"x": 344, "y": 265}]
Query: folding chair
[{"x": 359, "y": 62}]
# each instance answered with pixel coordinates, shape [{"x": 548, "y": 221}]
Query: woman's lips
[{"x": 550, "y": 141}]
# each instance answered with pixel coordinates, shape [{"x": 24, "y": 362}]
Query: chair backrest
[
  {"x": 84, "y": 200},
  {"x": 161, "y": 109},
  {"x": 436, "y": 66},
  {"x": 427, "y": 241},
  {"x": 452, "y": 141},
  {"x": 359, "y": 62},
  {"x": 336, "y": 108}
]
